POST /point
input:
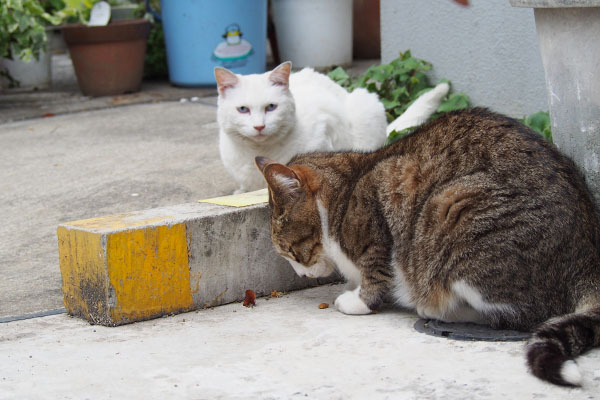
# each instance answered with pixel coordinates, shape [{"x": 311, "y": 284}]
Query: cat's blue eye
[
  {"x": 271, "y": 107},
  {"x": 243, "y": 109}
]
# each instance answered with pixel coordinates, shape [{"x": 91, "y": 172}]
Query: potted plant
[
  {"x": 24, "y": 59},
  {"x": 108, "y": 59}
]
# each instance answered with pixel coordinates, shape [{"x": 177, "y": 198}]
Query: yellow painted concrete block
[
  {"x": 120, "y": 276},
  {"x": 145, "y": 264},
  {"x": 82, "y": 262}
]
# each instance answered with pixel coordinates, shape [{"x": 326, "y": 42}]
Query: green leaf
[
  {"x": 361, "y": 81},
  {"x": 52, "y": 19},
  {"x": 541, "y": 123},
  {"x": 394, "y": 135},
  {"x": 372, "y": 87},
  {"x": 24, "y": 21},
  {"x": 339, "y": 75},
  {"x": 12, "y": 27},
  {"x": 402, "y": 78},
  {"x": 412, "y": 64},
  {"x": 399, "y": 92},
  {"x": 389, "y": 103},
  {"x": 456, "y": 101},
  {"x": 382, "y": 72}
]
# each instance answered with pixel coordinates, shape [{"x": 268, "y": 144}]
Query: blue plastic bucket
[{"x": 203, "y": 34}]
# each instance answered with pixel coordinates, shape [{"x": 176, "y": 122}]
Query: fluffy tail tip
[
  {"x": 443, "y": 88},
  {"x": 548, "y": 363},
  {"x": 570, "y": 373}
]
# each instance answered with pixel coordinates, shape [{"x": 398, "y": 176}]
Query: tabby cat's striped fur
[{"x": 474, "y": 217}]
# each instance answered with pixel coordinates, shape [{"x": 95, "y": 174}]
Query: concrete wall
[
  {"x": 488, "y": 50},
  {"x": 570, "y": 48}
]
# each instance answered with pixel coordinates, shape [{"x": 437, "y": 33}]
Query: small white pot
[
  {"x": 314, "y": 33},
  {"x": 32, "y": 75}
]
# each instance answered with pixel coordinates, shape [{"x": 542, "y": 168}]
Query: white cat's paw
[{"x": 350, "y": 303}]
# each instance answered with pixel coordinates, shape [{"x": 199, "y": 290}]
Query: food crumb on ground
[{"x": 249, "y": 299}]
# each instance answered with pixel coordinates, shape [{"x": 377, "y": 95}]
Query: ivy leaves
[
  {"x": 22, "y": 24},
  {"x": 403, "y": 80},
  {"x": 398, "y": 84},
  {"x": 539, "y": 122}
]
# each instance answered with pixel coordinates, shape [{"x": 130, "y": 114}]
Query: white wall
[{"x": 488, "y": 50}]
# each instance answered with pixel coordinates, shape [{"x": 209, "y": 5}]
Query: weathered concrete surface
[
  {"x": 284, "y": 348},
  {"x": 231, "y": 251},
  {"x": 65, "y": 97},
  {"x": 570, "y": 46},
  {"x": 140, "y": 265},
  {"x": 90, "y": 164}
]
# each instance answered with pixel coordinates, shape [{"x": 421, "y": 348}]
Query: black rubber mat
[{"x": 468, "y": 331}]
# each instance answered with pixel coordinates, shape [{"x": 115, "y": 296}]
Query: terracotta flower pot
[{"x": 109, "y": 59}]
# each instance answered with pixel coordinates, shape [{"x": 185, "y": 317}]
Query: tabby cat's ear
[
  {"x": 262, "y": 162},
  {"x": 283, "y": 182},
  {"x": 281, "y": 75},
  {"x": 225, "y": 79}
]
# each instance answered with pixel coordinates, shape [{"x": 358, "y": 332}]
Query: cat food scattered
[
  {"x": 323, "y": 306},
  {"x": 249, "y": 299},
  {"x": 275, "y": 293}
]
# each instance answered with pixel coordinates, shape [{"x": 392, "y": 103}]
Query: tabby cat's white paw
[{"x": 349, "y": 302}]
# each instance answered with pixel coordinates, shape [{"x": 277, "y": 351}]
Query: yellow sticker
[{"x": 240, "y": 200}]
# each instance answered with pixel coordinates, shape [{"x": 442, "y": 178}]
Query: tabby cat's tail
[{"x": 554, "y": 345}]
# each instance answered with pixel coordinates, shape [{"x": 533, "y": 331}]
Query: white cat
[{"x": 278, "y": 115}]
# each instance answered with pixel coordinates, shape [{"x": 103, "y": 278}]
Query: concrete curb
[{"x": 141, "y": 265}]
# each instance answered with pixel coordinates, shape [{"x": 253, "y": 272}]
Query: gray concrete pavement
[
  {"x": 70, "y": 156},
  {"x": 90, "y": 164},
  {"x": 65, "y": 97},
  {"x": 284, "y": 348}
]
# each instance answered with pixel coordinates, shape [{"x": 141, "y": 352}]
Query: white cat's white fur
[
  {"x": 278, "y": 115},
  {"x": 421, "y": 109}
]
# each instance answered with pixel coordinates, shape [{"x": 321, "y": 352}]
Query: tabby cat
[{"x": 472, "y": 218}]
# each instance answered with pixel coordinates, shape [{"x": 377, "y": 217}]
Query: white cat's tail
[
  {"x": 367, "y": 119},
  {"x": 421, "y": 109}
]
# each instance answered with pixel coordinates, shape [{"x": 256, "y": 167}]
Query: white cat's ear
[
  {"x": 281, "y": 74},
  {"x": 283, "y": 182},
  {"x": 225, "y": 79}
]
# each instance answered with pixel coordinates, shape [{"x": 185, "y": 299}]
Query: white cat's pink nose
[{"x": 259, "y": 128}]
